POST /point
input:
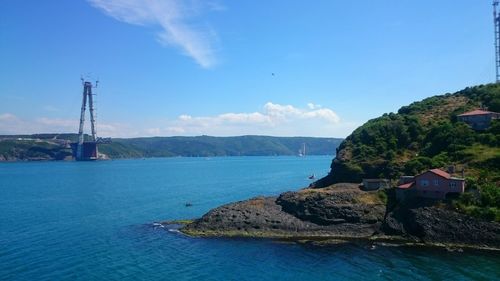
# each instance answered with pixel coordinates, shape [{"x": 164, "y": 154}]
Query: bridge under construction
[{"x": 86, "y": 150}]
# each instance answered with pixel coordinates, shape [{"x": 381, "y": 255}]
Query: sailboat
[{"x": 302, "y": 152}]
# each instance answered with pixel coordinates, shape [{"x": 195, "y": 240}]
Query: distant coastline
[{"x": 49, "y": 147}]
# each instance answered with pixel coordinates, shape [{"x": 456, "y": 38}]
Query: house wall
[
  {"x": 479, "y": 122},
  {"x": 430, "y": 185},
  {"x": 405, "y": 193},
  {"x": 373, "y": 185}
]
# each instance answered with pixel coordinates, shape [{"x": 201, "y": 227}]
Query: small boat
[
  {"x": 188, "y": 204},
  {"x": 311, "y": 177}
]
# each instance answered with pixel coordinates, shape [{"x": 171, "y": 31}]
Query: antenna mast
[{"x": 496, "y": 20}]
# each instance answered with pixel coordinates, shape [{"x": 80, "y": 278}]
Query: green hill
[
  {"x": 423, "y": 135},
  {"x": 427, "y": 135},
  {"x": 23, "y": 150},
  {"x": 55, "y": 146}
]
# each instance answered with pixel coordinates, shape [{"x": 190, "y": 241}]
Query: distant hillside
[
  {"x": 421, "y": 136},
  {"x": 55, "y": 146},
  {"x": 228, "y": 146},
  {"x": 25, "y": 150}
]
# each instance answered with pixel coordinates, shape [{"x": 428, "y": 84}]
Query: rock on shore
[
  {"x": 339, "y": 211},
  {"x": 343, "y": 211},
  {"x": 438, "y": 225}
]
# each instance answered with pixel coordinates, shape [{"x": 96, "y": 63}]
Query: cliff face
[
  {"x": 438, "y": 225},
  {"x": 422, "y": 136}
]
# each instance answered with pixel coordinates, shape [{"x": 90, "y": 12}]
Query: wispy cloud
[
  {"x": 313, "y": 106},
  {"x": 7, "y": 117},
  {"x": 176, "y": 20}
]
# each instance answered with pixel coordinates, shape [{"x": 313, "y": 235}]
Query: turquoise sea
[{"x": 94, "y": 221}]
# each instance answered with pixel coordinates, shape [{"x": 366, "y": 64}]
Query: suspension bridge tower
[{"x": 86, "y": 150}]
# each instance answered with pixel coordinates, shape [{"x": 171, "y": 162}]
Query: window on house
[
  {"x": 424, "y": 183},
  {"x": 453, "y": 184},
  {"x": 436, "y": 182}
]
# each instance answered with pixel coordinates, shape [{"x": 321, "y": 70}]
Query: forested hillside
[{"x": 423, "y": 135}]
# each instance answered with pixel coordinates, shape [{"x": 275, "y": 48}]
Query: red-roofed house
[
  {"x": 435, "y": 184},
  {"x": 478, "y": 119}
]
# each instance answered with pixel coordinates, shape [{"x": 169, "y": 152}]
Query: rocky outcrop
[
  {"x": 342, "y": 211},
  {"x": 430, "y": 224},
  {"x": 343, "y": 203}
]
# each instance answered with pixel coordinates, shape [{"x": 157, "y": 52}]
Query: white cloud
[
  {"x": 313, "y": 106},
  {"x": 9, "y": 124},
  {"x": 174, "y": 17},
  {"x": 277, "y": 111},
  {"x": 282, "y": 112},
  {"x": 323, "y": 113},
  {"x": 274, "y": 119},
  {"x": 245, "y": 118},
  {"x": 7, "y": 117}
]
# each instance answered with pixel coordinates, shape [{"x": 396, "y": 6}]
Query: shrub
[{"x": 382, "y": 194}]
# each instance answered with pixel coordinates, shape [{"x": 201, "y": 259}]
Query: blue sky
[{"x": 193, "y": 67}]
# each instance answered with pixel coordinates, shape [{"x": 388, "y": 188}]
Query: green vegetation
[
  {"x": 120, "y": 150},
  {"x": 207, "y": 146},
  {"x": 54, "y": 146},
  {"x": 382, "y": 195},
  {"x": 481, "y": 200},
  {"x": 421, "y": 136},
  {"x": 32, "y": 150}
]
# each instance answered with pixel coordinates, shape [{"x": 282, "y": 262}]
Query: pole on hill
[{"x": 496, "y": 20}]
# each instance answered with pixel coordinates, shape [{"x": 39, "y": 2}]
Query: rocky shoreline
[{"x": 343, "y": 212}]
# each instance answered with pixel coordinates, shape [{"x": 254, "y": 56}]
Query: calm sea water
[{"x": 93, "y": 221}]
